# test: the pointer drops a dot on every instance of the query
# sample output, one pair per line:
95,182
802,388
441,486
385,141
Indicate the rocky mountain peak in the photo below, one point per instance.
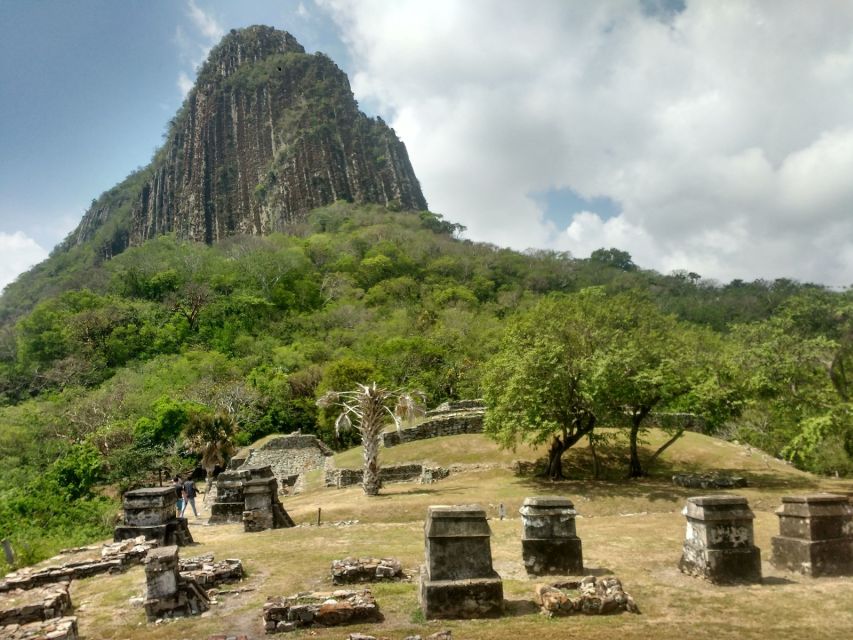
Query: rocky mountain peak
268,133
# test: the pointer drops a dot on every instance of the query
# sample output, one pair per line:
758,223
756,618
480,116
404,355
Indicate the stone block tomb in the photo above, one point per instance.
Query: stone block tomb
263,509
302,610
719,541
150,512
457,580
815,535
549,541
168,593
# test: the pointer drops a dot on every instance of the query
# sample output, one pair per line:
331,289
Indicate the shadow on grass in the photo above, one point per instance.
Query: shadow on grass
514,608
776,580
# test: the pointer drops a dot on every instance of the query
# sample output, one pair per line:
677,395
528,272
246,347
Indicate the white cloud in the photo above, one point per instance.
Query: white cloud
193,47
723,131
302,11
18,252
205,23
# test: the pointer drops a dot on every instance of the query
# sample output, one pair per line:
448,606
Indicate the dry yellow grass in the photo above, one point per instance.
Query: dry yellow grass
633,529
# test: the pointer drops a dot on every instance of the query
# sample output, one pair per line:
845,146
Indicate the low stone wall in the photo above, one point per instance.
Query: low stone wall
449,424
588,596
54,629
353,570
288,456
323,609
455,406
209,573
115,558
21,607
708,481
341,478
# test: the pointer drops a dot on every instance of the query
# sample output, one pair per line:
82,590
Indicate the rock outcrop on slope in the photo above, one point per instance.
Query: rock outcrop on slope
268,133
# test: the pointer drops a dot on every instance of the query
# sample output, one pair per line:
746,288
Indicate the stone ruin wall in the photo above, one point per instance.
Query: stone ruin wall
341,478
289,456
440,422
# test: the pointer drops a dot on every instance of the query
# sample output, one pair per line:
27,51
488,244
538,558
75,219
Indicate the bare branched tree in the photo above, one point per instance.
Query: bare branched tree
365,409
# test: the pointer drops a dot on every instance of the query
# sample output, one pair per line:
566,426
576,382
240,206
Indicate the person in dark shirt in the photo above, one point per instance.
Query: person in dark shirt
189,497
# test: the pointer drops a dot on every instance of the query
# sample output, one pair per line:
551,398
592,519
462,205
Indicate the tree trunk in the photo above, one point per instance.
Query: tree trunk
666,445
371,430
636,469
595,467
555,459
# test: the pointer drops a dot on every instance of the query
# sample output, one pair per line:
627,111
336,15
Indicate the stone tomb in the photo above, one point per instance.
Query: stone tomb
168,593
230,501
263,509
719,542
549,542
150,512
458,580
815,535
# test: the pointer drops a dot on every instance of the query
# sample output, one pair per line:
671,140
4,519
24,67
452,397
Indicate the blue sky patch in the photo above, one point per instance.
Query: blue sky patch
561,205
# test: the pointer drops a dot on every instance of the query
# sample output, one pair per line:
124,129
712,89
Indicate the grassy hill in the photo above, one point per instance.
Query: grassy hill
631,529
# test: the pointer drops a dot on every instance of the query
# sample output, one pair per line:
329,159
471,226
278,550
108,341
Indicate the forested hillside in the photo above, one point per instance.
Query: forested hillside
104,385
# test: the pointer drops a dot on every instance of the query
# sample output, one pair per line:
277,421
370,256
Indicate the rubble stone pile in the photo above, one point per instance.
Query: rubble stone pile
708,481
210,573
302,610
588,596
351,570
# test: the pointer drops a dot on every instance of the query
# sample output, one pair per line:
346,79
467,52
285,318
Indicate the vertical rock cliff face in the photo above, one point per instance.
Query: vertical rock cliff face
267,134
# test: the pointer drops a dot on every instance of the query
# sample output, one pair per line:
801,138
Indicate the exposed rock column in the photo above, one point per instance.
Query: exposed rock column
458,580
549,541
719,542
815,535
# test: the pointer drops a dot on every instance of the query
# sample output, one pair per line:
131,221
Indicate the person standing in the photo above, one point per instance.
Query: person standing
179,494
189,497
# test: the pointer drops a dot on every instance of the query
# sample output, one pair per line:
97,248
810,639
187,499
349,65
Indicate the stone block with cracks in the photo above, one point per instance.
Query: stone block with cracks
168,593
815,535
150,512
457,580
549,541
719,541
263,509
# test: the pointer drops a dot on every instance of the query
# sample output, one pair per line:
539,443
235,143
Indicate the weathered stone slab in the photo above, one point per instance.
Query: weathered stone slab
150,512
302,610
458,580
815,535
263,509
719,542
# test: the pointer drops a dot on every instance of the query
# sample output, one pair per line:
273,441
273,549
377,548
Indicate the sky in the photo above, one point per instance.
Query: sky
713,136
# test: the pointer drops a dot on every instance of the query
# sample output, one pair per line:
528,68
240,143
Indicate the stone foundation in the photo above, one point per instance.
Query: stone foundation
209,573
588,596
150,512
20,607
549,542
815,535
54,629
168,593
321,609
457,580
115,558
352,570
719,542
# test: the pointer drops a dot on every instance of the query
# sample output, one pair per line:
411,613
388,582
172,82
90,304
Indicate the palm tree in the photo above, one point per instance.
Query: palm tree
364,409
